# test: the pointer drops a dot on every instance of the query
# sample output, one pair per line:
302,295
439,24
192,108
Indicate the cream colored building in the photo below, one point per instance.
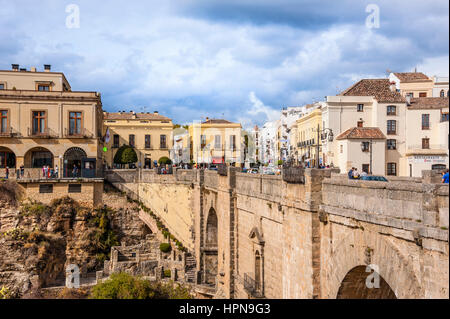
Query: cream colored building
427,135
180,152
413,84
368,103
216,141
359,147
150,134
44,122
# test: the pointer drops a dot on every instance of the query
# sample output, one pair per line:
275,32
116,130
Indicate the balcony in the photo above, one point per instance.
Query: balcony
252,287
148,147
81,133
9,132
163,147
45,133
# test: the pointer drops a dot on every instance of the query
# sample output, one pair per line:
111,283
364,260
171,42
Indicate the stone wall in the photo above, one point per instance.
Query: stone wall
90,194
313,240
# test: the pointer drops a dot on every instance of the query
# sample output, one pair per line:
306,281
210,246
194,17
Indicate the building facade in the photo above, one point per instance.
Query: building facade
180,152
306,136
216,141
150,135
45,123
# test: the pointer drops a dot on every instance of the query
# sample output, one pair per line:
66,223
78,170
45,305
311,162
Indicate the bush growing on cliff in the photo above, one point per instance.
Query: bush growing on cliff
105,237
125,286
165,247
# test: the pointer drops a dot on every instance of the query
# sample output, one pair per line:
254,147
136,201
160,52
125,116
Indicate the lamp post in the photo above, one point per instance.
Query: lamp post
330,138
363,148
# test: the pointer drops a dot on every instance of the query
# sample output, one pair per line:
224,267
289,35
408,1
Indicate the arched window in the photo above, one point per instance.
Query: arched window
442,94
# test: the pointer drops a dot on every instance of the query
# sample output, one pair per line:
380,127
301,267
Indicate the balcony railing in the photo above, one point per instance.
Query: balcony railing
9,132
45,133
252,287
80,133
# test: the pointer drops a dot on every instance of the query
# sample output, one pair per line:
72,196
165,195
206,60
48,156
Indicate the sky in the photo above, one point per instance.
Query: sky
235,59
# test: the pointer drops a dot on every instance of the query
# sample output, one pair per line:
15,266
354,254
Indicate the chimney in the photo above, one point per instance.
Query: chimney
207,119
33,69
156,112
23,69
47,67
15,67
408,100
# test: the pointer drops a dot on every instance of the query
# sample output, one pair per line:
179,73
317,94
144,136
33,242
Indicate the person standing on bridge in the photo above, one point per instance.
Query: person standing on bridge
445,177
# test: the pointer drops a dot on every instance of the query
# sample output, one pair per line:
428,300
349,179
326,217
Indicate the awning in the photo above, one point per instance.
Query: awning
217,160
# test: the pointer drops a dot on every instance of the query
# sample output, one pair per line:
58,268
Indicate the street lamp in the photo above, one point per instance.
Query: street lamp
330,139
363,148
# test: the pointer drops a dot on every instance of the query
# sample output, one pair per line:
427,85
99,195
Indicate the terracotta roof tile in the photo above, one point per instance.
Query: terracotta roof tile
139,116
362,133
420,103
217,121
379,88
412,76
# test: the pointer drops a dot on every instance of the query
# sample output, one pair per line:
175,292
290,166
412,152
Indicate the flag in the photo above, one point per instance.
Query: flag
107,135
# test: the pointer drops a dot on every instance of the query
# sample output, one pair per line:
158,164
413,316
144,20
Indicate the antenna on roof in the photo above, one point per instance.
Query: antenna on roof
415,69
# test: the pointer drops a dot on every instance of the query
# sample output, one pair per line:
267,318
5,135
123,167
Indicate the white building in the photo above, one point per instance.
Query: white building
267,147
440,86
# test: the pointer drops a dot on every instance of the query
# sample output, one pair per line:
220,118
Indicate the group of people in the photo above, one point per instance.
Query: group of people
48,172
445,177
354,174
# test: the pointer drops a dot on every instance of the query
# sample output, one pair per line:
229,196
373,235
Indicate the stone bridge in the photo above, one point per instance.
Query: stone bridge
256,236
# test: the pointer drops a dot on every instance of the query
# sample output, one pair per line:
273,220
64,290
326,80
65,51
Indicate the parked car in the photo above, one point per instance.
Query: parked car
374,178
212,167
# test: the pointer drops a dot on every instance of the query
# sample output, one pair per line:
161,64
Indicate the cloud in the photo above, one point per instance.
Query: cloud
192,59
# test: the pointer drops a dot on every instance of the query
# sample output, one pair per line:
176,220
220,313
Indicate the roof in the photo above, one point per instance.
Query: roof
379,88
424,103
412,77
130,116
362,133
217,121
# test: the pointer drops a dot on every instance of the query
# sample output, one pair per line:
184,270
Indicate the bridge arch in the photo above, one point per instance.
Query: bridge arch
345,266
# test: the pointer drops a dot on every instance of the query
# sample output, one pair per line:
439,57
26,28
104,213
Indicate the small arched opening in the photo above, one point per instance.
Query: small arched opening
73,158
38,157
7,158
211,249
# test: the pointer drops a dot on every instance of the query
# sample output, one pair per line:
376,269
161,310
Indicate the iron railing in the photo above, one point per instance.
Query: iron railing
45,133
252,286
77,133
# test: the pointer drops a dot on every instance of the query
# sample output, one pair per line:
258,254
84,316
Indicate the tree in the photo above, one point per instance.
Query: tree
125,155
164,160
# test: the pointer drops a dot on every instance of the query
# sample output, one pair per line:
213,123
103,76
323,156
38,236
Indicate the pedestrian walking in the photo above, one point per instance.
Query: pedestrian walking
75,170
45,171
56,172
22,171
6,172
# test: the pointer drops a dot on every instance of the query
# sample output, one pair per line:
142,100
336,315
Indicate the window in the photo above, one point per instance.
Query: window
423,94
410,94
392,169
217,142
342,149
391,110
365,168
44,87
360,108
203,141
391,127
425,121
131,140
3,121
444,117
162,141
45,188
233,142
391,144
147,141
441,94
360,123
39,122
2,86
365,146
74,188
115,140
75,122
425,143
438,167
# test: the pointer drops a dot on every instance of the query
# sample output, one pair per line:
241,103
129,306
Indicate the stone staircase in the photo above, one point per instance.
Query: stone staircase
190,269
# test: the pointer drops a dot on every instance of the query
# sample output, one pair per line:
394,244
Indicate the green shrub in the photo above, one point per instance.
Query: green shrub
167,273
125,155
125,286
164,160
165,247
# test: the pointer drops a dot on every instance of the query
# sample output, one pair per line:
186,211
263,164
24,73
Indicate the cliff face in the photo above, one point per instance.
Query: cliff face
38,242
